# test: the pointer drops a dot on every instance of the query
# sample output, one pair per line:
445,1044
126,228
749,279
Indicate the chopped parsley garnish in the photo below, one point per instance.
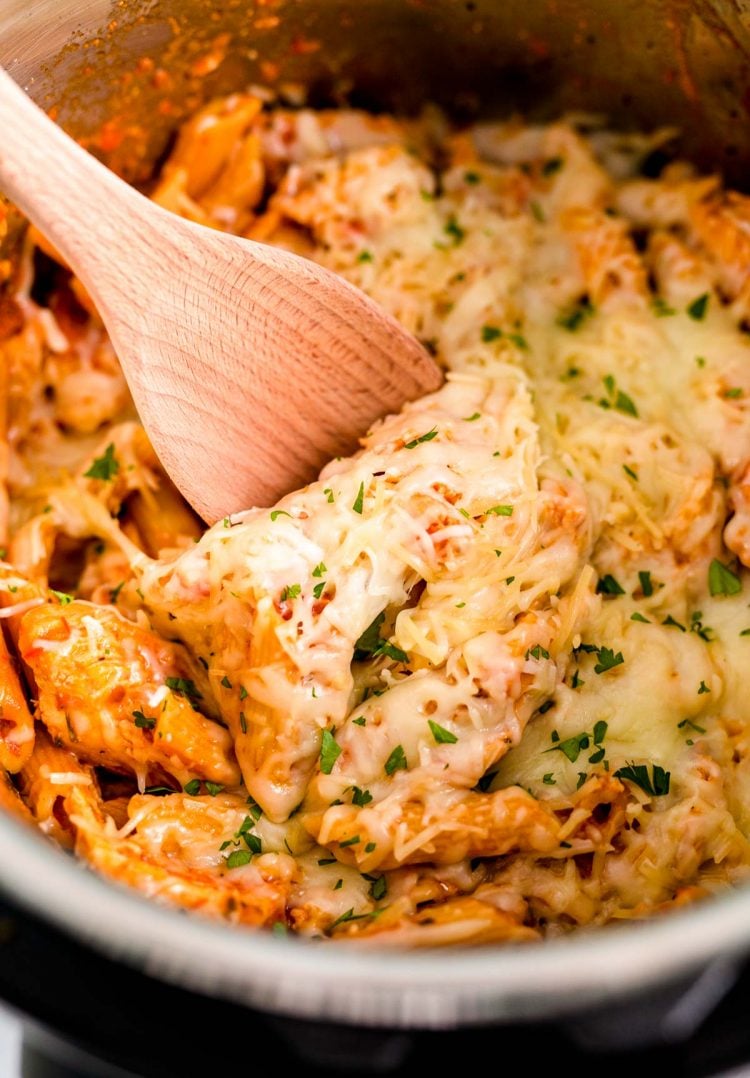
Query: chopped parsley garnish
291,591
572,746
546,706
252,842
105,467
371,644
422,438
551,166
359,501
575,681
327,861
361,721
453,229
697,309
639,617
697,626
254,808
62,597
238,858
396,761
330,750
616,398
319,589
472,177
733,394
661,308
549,779
370,847
703,688
491,333
279,929
609,586
360,798
537,652
183,687
379,888
721,579
329,495
499,511
114,592
226,682
350,915
630,472
243,693
364,256
143,722
692,725
338,885
576,315
537,212
656,784
745,632
214,788
193,788
646,586
608,660
600,731
472,418
669,620
279,513
350,841
700,361
581,779
158,791
441,735
319,570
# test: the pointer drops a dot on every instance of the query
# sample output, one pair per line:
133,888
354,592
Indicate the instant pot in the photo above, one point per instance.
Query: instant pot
160,993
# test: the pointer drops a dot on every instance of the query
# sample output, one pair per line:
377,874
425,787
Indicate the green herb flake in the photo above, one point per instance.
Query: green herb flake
319,589
721,579
329,495
62,597
143,722
379,888
629,471
491,333
350,915
364,256
607,585
656,785
359,501
327,861
105,467
353,841
639,617
279,929
319,570
440,734
574,318
183,687
537,652
733,394
238,858
581,779
453,229
243,722
361,721
422,438
572,746
499,511
661,308
472,418
360,798
697,309
608,660
291,591
158,791
330,750
370,847
669,620
624,403
700,361
703,688
396,761
600,731
472,177
646,585
279,513
226,682
214,788
688,723
549,779
193,788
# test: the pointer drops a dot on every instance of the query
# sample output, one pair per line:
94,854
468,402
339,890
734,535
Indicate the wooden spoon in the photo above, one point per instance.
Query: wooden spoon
250,367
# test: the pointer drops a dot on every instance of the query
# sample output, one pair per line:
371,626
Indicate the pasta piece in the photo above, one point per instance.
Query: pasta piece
120,697
16,723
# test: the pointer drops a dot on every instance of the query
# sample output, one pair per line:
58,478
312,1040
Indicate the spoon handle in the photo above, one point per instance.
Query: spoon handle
65,191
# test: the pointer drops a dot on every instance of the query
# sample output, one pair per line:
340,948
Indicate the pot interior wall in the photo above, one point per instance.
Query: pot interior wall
121,75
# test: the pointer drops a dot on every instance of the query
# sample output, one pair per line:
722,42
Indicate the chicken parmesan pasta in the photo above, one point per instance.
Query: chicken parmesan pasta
483,680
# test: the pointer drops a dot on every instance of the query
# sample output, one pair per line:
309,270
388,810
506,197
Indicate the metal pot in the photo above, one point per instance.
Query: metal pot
643,64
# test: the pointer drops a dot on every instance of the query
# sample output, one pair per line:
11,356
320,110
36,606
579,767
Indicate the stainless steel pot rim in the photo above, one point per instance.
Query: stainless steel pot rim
370,986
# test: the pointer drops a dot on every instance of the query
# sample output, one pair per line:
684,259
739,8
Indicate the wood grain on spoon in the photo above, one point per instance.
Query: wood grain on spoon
250,366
